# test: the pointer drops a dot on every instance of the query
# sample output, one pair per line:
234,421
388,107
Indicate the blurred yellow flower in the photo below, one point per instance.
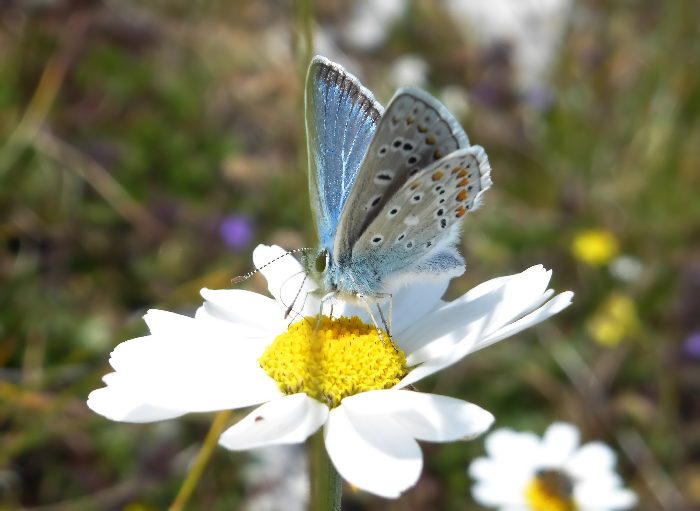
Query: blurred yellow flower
595,247
615,320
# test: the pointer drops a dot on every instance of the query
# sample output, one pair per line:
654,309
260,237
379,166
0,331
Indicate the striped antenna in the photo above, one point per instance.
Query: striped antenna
242,278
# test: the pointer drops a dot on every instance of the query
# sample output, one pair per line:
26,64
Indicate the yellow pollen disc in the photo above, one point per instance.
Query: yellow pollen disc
330,359
550,491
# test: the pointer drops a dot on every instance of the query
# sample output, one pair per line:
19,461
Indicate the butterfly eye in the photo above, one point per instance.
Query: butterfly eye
322,261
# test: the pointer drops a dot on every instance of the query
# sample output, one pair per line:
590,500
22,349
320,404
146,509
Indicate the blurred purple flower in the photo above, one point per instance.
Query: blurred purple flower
540,98
691,345
236,231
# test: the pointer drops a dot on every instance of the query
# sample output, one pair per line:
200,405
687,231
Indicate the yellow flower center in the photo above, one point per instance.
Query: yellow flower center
333,358
551,490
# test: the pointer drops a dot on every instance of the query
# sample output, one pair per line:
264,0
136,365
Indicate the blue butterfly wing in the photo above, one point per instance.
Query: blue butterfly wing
341,118
415,131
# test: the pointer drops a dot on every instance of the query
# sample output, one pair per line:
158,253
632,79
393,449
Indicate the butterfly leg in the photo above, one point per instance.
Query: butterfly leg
297,314
389,297
387,326
364,300
391,310
368,307
322,302
384,323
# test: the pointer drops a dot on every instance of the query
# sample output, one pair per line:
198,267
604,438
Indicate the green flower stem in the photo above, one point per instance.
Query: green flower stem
326,485
200,462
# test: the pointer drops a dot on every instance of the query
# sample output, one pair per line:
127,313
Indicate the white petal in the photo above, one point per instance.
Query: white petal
425,416
286,280
593,498
258,314
476,315
552,307
592,459
160,321
510,447
286,420
504,475
119,403
468,308
348,309
502,472
183,329
426,369
446,351
505,496
485,470
412,303
521,295
558,444
515,473
157,353
543,299
604,480
193,369
372,452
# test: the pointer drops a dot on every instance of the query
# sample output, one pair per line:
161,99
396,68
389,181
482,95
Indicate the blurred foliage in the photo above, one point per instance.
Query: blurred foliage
128,133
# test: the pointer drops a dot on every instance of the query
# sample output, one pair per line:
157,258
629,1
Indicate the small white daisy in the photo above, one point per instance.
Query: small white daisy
534,28
524,472
240,350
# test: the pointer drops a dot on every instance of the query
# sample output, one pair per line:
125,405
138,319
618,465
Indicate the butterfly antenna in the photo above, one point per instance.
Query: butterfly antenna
246,276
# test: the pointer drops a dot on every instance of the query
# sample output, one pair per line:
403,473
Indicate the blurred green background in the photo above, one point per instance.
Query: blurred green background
145,148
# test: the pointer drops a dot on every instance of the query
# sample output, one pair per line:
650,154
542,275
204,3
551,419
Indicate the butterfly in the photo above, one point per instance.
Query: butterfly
388,188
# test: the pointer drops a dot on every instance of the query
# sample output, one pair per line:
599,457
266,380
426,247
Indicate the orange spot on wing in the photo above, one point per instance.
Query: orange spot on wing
464,182
459,212
430,140
462,172
437,175
422,128
462,196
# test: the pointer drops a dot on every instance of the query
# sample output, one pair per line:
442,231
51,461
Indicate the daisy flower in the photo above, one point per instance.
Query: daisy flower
302,372
524,472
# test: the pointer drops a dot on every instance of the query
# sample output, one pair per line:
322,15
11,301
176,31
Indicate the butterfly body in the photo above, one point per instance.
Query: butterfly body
388,188
346,278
